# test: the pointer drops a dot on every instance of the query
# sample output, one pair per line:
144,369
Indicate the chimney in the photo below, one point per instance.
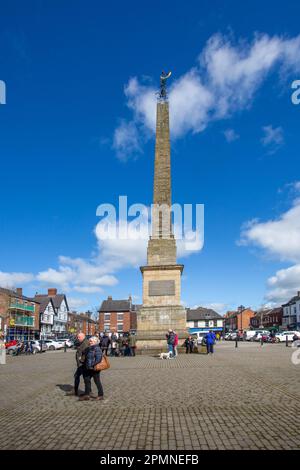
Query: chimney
109,297
52,292
19,291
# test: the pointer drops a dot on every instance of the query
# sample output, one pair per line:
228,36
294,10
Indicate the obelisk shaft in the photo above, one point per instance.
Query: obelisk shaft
162,173
162,245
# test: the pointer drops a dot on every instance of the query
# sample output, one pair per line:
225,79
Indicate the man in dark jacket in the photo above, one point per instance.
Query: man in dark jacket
93,356
81,346
104,343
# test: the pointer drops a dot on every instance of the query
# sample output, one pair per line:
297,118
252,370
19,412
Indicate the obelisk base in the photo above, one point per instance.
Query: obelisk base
154,323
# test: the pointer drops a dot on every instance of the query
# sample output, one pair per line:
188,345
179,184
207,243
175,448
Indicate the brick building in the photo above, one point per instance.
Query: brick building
118,315
269,319
238,319
19,315
82,322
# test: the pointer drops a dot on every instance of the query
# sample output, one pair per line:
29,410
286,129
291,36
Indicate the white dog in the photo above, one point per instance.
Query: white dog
167,355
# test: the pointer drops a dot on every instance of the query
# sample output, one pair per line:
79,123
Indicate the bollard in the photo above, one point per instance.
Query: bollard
261,341
286,341
2,353
65,347
236,342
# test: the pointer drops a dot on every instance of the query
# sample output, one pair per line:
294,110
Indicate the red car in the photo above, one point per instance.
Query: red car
13,342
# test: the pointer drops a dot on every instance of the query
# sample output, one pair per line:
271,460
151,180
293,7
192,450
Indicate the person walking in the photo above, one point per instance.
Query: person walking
189,345
113,343
132,344
93,356
104,343
81,345
170,337
210,341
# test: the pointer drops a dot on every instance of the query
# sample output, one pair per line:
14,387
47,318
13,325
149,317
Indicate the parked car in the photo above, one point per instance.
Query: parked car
260,334
36,346
11,350
200,336
227,337
53,345
248,334
10,343
281,337
68,341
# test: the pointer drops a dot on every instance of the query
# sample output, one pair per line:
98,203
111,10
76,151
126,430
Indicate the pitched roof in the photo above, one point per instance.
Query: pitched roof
43,301
292,301
56,299
123,305
13,293
201,313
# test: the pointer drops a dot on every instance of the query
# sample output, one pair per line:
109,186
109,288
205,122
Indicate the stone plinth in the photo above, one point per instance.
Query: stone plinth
153,325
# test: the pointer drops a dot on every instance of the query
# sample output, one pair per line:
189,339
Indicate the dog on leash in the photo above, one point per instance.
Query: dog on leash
167,355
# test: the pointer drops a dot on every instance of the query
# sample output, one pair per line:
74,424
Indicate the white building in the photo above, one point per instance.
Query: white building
53,313
204,319
291,313
46,316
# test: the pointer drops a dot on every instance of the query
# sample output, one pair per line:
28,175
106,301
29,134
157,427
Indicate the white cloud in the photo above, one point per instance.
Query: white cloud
272,138
281,239
230,135
10,280
126,140
223,81
284,284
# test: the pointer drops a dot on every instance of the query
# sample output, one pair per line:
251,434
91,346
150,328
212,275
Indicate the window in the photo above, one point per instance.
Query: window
120,327
106,326
120,317
107,317
195,324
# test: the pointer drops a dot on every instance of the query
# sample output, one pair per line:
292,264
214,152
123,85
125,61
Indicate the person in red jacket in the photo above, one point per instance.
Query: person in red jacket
175,352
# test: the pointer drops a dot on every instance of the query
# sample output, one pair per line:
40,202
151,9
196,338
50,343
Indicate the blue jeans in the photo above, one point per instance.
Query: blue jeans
171,349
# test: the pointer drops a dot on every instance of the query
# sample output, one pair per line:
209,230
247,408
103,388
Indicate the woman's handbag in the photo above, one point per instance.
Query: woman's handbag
102,365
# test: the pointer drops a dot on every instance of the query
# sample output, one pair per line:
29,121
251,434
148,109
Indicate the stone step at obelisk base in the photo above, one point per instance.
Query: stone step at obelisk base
162,309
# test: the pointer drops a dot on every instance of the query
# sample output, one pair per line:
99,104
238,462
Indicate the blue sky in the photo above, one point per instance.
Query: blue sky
77,72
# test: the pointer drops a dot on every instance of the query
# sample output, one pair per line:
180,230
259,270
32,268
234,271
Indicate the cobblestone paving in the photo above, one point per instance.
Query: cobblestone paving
247,398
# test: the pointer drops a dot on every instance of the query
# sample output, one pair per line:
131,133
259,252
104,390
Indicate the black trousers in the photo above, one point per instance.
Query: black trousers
189,349
210,348
77,375
88,374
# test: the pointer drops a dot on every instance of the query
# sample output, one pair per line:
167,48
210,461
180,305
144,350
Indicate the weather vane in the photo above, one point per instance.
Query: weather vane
162,94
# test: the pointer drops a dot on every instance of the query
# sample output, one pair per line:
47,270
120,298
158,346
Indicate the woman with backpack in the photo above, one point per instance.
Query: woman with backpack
93,355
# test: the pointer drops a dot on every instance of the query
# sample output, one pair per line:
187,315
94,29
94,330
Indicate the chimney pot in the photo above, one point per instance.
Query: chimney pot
109,297
19,290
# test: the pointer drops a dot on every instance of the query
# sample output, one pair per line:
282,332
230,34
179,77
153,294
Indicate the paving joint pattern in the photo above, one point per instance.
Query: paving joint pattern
237,399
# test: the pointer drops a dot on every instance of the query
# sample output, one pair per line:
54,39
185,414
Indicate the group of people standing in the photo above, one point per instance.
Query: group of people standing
172,341
118,345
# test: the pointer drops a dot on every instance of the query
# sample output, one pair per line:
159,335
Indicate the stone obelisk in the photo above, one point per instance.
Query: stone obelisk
162,309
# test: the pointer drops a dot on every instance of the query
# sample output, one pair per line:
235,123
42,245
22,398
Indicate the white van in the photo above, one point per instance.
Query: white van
201,335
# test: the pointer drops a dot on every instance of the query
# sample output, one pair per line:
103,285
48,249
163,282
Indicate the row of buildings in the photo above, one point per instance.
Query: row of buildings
41,316
48,315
